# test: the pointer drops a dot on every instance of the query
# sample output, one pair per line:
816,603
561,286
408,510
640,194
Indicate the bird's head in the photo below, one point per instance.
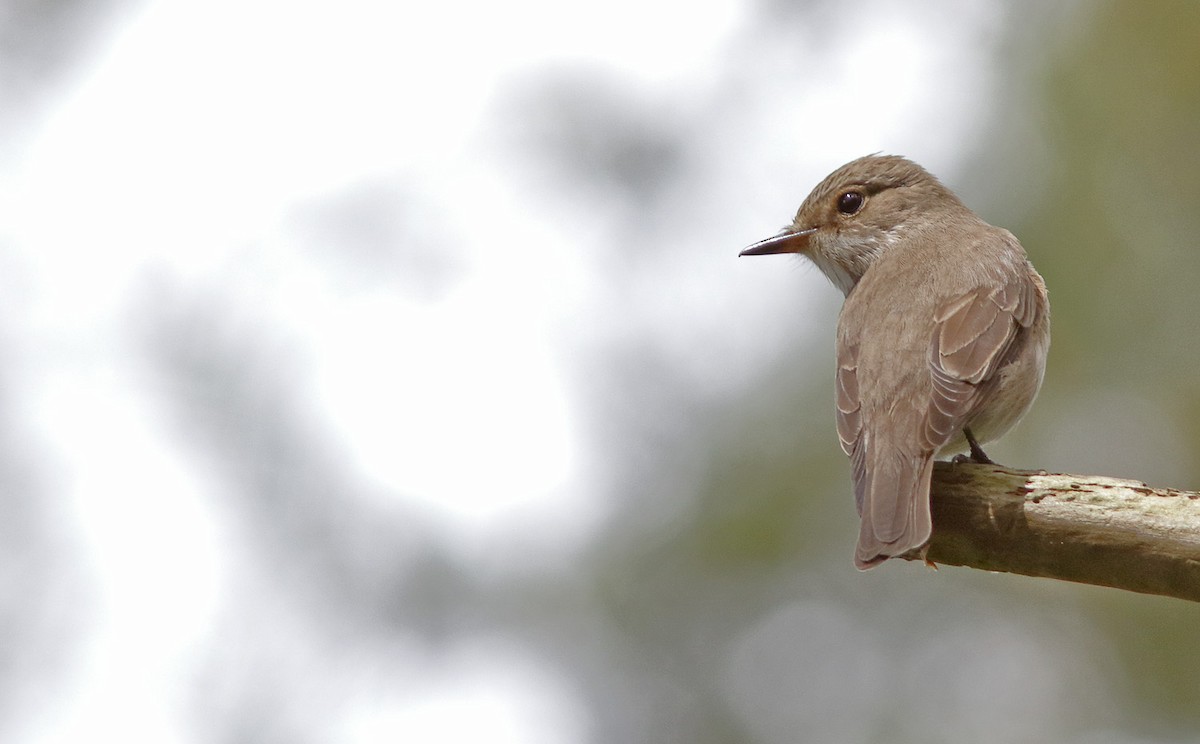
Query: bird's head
859,211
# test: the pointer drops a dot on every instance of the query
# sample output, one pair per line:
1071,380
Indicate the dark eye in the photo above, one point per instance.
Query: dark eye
850,202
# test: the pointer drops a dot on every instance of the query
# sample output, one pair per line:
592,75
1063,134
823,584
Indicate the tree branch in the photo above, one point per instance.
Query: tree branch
1090,529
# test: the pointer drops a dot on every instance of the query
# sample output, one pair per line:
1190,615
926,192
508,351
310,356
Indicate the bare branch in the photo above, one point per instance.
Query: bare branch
1090,529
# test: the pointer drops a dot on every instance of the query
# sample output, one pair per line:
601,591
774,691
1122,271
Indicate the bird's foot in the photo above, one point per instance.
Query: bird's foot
925,557
977,453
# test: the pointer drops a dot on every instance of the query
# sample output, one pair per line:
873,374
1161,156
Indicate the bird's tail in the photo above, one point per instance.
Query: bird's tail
892,493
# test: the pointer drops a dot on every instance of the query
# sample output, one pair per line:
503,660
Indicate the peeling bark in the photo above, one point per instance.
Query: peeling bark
1089,529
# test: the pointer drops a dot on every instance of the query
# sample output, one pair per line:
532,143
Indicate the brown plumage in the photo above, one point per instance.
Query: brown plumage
943,334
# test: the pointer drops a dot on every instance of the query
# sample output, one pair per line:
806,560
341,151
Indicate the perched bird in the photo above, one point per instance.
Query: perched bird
941,341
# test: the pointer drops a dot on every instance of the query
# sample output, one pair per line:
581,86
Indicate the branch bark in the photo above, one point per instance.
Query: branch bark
1089,529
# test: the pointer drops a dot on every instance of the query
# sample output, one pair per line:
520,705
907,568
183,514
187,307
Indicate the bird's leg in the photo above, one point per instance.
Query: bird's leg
977,453
925,557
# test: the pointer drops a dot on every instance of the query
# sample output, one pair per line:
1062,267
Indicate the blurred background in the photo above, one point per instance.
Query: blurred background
381,372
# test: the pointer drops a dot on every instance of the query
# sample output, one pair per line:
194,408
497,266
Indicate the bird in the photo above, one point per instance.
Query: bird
941,340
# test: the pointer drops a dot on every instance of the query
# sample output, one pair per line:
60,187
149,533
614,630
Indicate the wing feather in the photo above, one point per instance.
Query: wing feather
849,406
971,341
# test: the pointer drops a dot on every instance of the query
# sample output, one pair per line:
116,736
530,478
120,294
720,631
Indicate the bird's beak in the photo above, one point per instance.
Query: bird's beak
788,241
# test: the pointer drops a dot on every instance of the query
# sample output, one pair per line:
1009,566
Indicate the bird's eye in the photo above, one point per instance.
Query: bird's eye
850,202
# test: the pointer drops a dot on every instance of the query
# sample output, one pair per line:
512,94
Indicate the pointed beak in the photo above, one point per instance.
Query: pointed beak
788,241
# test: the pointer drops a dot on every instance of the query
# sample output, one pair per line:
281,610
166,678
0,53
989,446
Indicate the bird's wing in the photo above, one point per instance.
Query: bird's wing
849,410
972,338
973,335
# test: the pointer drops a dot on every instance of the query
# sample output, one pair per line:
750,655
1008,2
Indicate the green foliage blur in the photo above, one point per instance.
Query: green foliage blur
717,603
1094,162
1115,229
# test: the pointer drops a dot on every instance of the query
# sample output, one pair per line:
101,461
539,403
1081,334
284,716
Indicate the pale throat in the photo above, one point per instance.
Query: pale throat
844,259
